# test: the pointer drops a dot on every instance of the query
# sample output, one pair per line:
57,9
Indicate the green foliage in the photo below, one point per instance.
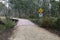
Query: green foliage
48,22
55,8
7,24
23,7
20,4
1,5
2,27
56,24
33,16
36,21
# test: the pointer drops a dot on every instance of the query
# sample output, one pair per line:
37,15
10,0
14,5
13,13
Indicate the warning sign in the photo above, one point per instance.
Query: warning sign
40,10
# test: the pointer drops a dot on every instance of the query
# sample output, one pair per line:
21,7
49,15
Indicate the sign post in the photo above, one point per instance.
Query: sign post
40,11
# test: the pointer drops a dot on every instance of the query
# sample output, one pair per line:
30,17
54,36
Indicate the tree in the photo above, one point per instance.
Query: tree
59,6
55,8
23,7
1,6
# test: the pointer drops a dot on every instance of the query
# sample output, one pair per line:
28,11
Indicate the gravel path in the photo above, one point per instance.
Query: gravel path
26,30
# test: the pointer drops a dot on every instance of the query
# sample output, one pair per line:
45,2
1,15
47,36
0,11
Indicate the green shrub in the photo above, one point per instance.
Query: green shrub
7,24
36,21
2,27
46,22
33,16
50,22
56,24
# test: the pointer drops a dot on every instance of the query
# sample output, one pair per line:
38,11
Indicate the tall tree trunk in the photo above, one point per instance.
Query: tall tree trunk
59,6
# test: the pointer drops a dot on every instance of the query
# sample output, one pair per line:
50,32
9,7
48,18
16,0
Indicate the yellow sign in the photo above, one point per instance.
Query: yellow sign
40,10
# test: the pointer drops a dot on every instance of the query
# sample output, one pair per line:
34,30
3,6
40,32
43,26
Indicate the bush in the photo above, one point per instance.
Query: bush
33,16
50,22
46,22
56,24
7,24
2,27
36,21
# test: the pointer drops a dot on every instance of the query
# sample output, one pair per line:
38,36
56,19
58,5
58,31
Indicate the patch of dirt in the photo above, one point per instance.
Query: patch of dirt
6,34
53,31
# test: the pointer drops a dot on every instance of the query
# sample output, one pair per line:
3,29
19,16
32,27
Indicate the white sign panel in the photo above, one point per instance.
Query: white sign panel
40,15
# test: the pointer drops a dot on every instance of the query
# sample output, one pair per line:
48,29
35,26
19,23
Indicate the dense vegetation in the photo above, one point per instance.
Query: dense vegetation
48,23
6,24
28,9
24,8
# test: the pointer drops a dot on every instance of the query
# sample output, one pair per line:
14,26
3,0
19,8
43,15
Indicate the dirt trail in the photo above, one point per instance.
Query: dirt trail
26,30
